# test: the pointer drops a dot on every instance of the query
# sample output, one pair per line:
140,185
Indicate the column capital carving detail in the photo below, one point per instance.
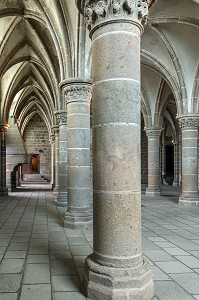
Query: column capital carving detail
52,138
61,116
96,11
3,127
153,132
76,90
55,129
188,122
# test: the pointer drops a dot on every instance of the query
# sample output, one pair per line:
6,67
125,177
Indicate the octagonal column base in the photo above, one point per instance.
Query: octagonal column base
153,192
189,200
108,283
62,199
80,221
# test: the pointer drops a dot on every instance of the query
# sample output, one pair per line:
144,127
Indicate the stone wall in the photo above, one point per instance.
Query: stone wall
36,140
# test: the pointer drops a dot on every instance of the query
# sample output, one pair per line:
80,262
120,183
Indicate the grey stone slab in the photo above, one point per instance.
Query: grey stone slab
39,236
35,292
191,262
173,267
8,296
10,282
79,260
38,250
189,281
20,239
158,255
176,251
158,274
18,246
170,290
79,241
4,242
65,283
63,267
196,297
2,250
81,250
165,244
68,296
73,233
11,265
15,254
157,239
39,242
59,246
37,273
61,255
31,259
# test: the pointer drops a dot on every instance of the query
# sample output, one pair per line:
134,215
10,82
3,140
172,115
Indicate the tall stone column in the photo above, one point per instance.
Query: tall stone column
78,97
176,165
62,121
153,135
163,159
52,143
56,132
189,129
116,269
3,188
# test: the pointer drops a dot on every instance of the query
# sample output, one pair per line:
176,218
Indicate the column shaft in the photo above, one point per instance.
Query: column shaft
78,96
62,195
52,142
56,132
189,129
3,188
176,165
153,136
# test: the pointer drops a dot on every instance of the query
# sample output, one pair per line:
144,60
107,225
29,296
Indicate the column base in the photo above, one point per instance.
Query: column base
3,191
175,184
80,221
153,192
192,200
56,191
108,283
62,199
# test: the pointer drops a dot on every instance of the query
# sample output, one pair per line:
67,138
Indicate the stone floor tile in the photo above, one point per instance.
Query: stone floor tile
156,239
10,266
68,296
63,267
35,292
10,282
38,250
79,260
39,236
73,233
173,267
8,296
79,241
176,251
2,250
20,239
81,250
18,246
170,290
165,244
4,242
61,255
38,259
36,274
158,255
196,297
158,274
15,254
191,262
39,242
189,281
65,283
59,246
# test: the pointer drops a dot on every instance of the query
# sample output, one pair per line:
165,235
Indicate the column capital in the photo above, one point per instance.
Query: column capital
97,12
55,129
61,116
52,139
76,90
188,121
153,132
3,127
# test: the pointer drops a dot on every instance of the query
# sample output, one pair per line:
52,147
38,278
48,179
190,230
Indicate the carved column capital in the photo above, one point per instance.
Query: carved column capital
188,121
153,132
55,130
61,116
76,90
97,11
52,139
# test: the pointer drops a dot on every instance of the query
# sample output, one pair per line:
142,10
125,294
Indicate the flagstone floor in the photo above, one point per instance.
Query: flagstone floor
42,260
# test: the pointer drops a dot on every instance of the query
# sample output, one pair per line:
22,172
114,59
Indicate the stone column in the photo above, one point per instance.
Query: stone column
189,129
62,121
56,132
52,142
163,159
176,165
153,135
116,269
3,188
78,96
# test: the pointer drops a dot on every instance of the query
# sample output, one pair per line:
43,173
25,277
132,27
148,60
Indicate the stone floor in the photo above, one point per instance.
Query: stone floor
42,260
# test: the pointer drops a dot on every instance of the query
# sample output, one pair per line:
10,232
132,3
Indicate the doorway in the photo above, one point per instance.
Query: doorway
35,163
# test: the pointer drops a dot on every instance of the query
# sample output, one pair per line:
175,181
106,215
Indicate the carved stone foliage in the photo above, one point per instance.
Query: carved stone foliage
3,128
98,10
151,133
77,92
188,122
61,117
52,138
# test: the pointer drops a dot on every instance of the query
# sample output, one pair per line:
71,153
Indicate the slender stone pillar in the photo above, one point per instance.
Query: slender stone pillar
52,142
3,188
56,132
163,159
153,135
189,129
62,121
176,165
116,269
78,96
